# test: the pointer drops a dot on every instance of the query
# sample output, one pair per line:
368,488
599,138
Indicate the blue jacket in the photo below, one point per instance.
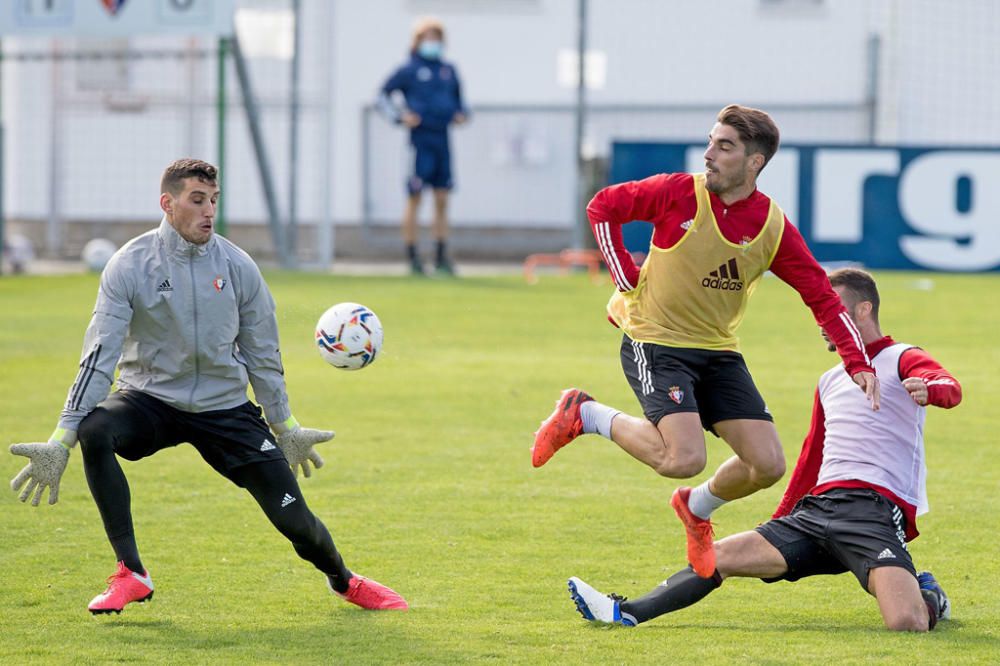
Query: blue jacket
432,91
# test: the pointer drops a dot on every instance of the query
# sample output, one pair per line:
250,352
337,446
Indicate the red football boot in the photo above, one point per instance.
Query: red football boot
124,587
561,428
700,551
371,595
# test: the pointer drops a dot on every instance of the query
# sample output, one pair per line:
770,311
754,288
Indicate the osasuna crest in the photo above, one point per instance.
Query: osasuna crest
219,283
113,6
676,394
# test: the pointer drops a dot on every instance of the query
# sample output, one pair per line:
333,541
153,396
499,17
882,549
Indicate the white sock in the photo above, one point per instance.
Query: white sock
702,502
597,418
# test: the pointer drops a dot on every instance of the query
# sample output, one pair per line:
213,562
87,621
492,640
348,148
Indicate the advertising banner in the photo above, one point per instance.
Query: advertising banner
909,207
115,18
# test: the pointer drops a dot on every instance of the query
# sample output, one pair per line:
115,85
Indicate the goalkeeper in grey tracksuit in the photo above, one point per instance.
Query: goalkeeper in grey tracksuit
189,321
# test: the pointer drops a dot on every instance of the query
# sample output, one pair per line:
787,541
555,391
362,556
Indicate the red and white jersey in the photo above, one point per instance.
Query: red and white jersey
883,448
851,446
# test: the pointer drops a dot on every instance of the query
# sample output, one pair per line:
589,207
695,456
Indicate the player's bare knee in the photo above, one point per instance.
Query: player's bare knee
916,620
724,555
681,465
769,473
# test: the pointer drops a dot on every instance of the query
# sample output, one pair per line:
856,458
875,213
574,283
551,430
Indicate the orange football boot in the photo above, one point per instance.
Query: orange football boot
700,551
561,428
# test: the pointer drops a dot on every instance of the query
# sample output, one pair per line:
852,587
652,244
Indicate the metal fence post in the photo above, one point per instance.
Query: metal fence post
581,105
366,186
291,243
263,163
220,211
871,96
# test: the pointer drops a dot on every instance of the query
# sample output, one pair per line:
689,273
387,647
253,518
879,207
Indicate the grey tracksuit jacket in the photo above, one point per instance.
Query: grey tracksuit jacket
188,324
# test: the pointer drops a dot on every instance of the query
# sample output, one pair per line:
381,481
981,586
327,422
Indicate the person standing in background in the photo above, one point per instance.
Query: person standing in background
432,100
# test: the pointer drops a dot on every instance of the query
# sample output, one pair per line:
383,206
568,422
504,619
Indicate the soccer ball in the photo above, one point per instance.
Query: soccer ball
97,253
349,336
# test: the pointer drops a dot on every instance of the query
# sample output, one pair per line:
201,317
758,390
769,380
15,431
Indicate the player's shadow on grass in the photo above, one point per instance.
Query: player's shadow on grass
108,622
805,626
344,631
478,283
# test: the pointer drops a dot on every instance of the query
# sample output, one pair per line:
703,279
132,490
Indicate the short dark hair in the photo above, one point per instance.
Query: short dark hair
859,284
174,175
756,129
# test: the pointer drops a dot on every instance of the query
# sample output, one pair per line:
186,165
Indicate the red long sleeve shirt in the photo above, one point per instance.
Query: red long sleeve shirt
943,390
668,201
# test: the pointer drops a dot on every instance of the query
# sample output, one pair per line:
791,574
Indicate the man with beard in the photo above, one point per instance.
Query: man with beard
714,236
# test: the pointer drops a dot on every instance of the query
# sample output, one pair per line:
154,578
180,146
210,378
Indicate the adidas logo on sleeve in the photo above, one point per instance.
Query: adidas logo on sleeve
267,446
286,500
726,277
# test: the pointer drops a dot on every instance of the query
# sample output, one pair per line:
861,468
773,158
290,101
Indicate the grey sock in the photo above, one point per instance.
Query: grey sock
597,418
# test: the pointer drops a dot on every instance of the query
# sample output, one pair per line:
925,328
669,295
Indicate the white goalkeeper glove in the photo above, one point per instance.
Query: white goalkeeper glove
47,464
297,444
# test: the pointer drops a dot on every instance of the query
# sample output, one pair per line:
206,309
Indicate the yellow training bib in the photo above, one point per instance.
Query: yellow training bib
694,294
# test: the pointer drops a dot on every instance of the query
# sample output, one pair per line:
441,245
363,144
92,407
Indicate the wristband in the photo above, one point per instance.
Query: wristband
58,435
285,426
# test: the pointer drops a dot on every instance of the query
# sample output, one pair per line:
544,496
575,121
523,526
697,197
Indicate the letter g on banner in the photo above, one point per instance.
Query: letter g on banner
953,239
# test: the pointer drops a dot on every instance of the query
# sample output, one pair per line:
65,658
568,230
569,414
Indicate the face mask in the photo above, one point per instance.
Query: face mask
430,49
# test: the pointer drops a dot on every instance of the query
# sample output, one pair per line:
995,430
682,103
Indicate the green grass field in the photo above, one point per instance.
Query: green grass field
429,488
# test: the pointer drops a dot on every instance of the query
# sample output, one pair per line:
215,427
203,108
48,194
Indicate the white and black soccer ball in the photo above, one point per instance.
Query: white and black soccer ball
97,253
349,336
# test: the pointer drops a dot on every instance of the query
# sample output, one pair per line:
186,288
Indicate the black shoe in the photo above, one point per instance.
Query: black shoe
930,586
445,268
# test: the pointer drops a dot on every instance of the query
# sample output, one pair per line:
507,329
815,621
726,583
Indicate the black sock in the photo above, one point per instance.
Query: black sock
339,583
411,251
100,433
679,591
442,251
127,552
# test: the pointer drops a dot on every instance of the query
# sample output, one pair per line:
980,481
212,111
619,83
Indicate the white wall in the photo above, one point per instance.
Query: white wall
720,51
937,74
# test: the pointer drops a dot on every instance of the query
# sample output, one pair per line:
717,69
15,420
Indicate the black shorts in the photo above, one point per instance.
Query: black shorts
226,438
854,530
669,380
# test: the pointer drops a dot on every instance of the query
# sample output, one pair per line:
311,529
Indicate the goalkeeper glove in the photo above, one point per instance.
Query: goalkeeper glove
47,464
297,443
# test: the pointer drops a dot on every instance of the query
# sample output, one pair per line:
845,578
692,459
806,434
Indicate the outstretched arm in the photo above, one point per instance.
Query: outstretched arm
258,344
102,345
